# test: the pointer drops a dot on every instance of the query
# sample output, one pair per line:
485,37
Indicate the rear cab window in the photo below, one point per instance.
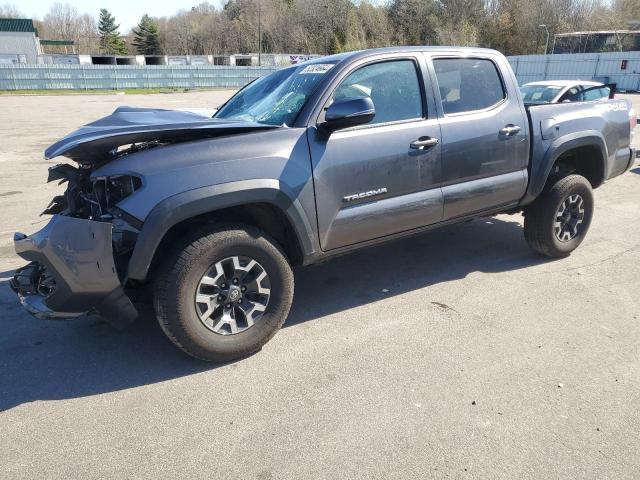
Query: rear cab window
468,84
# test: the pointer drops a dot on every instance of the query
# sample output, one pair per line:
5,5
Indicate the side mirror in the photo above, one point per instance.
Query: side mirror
348,112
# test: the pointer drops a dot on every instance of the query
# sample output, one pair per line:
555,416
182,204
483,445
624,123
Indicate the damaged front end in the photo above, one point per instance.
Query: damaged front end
78,260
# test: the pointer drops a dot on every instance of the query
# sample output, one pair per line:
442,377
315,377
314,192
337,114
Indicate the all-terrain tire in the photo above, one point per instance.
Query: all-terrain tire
177,282
541,216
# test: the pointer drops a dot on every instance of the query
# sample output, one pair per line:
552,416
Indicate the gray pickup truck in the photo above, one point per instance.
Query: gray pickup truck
307,163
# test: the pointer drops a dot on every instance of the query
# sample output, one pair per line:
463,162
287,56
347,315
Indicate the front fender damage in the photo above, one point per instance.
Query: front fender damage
72,271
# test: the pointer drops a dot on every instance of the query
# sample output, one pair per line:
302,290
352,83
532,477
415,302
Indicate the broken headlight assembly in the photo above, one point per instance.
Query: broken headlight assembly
107,192
96,198
86,197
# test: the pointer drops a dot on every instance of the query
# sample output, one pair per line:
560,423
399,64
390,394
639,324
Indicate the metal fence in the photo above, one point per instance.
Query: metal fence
621,68
118,77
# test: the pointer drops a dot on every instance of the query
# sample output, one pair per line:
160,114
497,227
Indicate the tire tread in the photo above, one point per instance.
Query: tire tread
536,231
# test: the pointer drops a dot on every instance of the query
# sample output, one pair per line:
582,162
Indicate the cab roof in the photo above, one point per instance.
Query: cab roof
339,57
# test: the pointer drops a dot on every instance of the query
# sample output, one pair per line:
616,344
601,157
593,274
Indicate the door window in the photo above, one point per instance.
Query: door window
597,93
571,95
393,86
590,94
468,84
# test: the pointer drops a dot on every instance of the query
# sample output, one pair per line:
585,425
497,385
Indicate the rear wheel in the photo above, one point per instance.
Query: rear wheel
224,294
558,221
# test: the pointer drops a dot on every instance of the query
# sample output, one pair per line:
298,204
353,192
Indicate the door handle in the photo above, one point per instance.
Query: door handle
424,142
509,130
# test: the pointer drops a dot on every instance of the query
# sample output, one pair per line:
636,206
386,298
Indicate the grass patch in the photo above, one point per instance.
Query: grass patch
126,91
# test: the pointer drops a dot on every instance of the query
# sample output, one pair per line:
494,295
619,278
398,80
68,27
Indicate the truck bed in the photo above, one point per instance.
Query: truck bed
558,128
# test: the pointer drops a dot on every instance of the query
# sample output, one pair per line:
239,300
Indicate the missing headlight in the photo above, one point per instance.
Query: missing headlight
109,191
92,198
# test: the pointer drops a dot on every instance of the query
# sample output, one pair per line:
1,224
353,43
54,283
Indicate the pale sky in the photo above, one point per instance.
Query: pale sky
127,12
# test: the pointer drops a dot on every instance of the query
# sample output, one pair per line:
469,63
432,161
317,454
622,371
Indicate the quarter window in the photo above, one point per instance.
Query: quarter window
393,87
468,84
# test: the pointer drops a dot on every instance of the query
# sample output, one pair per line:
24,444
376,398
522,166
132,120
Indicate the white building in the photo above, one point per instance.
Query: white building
18,41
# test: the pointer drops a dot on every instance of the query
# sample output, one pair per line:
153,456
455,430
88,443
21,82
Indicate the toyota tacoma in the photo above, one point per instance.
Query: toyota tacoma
301,165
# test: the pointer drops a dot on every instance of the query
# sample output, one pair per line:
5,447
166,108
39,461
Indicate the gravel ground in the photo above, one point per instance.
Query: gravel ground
455,354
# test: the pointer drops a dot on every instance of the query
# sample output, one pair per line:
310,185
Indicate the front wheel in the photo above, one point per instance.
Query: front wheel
224,294
558,221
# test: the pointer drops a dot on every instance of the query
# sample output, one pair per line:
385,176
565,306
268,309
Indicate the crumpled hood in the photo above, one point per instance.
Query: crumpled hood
97,141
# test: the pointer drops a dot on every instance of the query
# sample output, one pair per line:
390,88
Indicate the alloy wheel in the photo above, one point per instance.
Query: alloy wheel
232,295
569,218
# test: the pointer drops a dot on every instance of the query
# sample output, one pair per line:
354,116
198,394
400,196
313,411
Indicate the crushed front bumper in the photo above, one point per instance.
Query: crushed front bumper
72,271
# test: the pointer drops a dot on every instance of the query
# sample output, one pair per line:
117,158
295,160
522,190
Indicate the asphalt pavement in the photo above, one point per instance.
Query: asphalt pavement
454,354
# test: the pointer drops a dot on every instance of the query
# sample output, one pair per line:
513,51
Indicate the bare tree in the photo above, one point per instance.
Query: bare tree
63,22
329,26
9,10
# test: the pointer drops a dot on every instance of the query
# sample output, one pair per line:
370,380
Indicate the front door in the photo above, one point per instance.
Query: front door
383,177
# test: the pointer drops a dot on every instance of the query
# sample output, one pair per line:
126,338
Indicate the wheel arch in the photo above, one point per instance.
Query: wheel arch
592,165
585,154
262,203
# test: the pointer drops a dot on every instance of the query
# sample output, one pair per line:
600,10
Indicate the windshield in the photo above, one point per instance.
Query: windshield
275,99
539,93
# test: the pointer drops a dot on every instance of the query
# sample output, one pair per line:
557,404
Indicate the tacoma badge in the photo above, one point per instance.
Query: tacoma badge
370,193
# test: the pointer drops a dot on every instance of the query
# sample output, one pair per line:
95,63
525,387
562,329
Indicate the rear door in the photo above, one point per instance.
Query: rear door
484,140
383,177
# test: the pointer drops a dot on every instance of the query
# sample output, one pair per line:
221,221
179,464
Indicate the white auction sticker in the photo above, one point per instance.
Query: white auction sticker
317,68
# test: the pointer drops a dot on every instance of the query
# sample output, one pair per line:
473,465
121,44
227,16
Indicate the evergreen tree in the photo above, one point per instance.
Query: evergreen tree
146,41
110,41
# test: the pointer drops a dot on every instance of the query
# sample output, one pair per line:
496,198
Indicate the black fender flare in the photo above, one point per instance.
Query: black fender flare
185,205
562,145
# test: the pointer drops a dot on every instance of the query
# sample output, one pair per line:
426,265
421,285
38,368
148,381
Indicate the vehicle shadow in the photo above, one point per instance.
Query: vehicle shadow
395,268
636,170
49,360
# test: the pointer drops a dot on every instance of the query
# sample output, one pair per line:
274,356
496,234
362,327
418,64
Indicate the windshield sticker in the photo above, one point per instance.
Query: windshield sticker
317,68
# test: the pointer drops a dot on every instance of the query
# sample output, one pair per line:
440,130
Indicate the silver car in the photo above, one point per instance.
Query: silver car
564,91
